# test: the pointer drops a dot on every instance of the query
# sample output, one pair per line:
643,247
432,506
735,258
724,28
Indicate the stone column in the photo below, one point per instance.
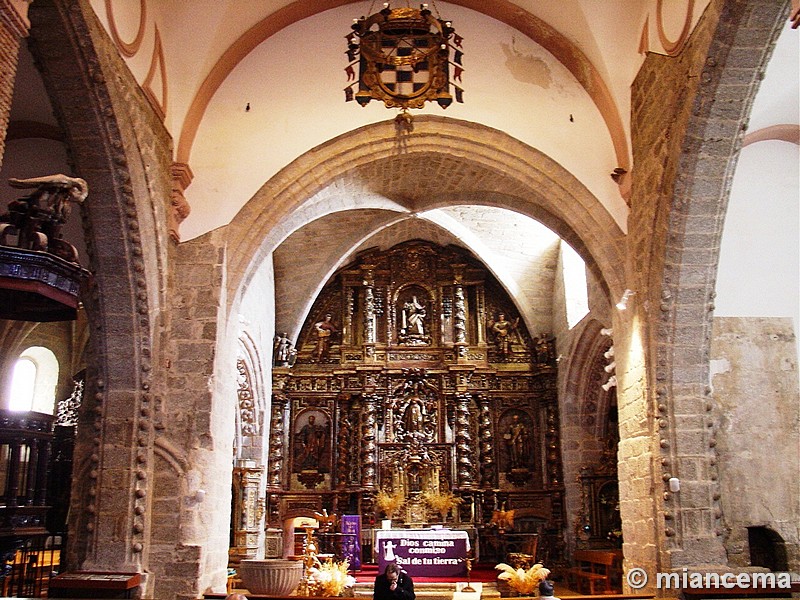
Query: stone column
369,311
276,440
247,510
14,26
465,470
368,447
488,472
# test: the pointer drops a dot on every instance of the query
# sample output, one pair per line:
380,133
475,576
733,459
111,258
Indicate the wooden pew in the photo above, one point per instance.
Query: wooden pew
595,571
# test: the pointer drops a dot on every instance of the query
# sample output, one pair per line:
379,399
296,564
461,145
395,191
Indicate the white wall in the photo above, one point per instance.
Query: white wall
759,267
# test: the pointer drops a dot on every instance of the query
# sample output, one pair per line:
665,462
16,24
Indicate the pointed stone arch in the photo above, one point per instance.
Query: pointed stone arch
98,109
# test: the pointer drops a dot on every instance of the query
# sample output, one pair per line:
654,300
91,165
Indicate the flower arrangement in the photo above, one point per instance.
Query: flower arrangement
329,578
389,503
523,581
441,502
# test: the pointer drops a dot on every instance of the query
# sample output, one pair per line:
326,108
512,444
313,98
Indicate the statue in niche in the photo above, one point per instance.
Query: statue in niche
414,416
517,438
413,318
413,407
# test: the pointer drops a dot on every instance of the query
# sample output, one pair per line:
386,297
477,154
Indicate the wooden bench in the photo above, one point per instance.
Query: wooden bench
595,571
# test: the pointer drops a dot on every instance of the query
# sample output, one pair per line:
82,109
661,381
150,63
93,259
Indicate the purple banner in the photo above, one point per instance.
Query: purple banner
351,544
423,552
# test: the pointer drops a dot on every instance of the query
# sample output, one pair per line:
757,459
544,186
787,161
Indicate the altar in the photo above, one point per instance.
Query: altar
423,552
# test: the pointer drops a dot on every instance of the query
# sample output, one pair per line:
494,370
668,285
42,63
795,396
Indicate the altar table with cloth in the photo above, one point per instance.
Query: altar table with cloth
423,552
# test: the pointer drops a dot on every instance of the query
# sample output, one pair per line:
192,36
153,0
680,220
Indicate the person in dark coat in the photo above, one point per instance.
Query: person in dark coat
393,584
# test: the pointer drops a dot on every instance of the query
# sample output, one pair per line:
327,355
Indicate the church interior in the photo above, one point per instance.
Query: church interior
447,285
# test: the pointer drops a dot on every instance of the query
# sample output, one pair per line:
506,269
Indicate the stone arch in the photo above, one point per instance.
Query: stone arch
686,169
699,203
583,407
85,79
513,175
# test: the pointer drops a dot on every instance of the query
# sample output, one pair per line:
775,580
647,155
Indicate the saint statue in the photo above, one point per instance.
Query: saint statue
324,329
518,442
413,318
414,415
504,331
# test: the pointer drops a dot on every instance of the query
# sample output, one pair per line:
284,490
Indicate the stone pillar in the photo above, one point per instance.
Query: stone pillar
276,437
368,447
465,470
460,312
14,26
488,479
247,510
369,311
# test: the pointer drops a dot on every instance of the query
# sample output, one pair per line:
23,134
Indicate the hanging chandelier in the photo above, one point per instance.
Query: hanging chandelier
405,56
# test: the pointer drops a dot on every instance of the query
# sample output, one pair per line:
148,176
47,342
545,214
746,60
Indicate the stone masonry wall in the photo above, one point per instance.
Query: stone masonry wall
661,106
191,517
754,377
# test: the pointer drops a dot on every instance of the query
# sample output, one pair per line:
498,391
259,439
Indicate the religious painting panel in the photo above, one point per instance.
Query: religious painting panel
311,453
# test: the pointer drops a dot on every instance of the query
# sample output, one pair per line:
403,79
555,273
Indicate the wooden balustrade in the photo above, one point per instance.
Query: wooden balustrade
25,442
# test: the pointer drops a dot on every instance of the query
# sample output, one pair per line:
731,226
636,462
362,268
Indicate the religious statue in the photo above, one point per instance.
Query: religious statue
35,222
518,442
544,350
413,404
413,318
312,438
414,416
503,331
324,329
283,351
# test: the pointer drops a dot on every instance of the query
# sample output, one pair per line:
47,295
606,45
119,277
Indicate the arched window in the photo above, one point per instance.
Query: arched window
23,385
576,293
33,387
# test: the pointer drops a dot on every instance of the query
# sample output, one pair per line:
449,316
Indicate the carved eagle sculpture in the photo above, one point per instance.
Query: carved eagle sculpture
326,522
503,519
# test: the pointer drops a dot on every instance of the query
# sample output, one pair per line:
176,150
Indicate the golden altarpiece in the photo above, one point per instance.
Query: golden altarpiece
415,377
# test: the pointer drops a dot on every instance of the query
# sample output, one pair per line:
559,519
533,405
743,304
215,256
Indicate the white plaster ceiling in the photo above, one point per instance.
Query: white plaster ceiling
203,62
275,56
